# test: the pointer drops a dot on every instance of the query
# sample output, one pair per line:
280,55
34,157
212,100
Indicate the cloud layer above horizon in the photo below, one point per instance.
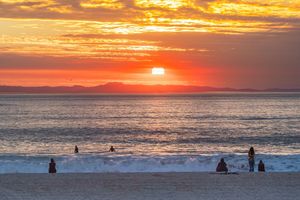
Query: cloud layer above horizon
199,42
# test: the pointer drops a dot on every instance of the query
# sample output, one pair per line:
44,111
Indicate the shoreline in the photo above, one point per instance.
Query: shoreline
162,185
118,162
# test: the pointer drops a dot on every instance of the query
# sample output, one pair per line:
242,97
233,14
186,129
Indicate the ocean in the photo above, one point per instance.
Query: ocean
151,133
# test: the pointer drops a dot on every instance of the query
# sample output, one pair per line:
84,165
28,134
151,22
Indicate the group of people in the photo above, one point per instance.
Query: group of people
111,149
222,166
52,164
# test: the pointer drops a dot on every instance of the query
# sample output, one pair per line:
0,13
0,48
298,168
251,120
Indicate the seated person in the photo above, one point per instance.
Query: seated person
261,166
222,166
112,149
52,167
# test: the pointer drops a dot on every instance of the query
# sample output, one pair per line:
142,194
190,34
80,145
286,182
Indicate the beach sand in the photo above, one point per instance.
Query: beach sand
131,186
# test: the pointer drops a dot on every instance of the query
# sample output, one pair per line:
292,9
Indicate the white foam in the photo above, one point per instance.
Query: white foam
138,163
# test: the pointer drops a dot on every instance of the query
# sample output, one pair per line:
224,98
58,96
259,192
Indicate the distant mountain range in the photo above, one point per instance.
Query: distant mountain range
116,87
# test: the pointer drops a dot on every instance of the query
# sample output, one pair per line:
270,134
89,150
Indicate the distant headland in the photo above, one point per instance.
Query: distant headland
121,88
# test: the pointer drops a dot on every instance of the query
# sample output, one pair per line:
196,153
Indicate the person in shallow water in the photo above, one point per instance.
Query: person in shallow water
222,166
261,166
76,150
112,149
251,159
52,166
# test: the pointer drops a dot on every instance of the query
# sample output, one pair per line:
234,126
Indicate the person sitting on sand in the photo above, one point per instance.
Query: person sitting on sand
112,149
222,166
76,150
251,159
52,166
261,166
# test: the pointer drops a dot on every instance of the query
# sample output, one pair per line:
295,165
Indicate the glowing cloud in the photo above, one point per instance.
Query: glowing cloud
168,4
110,4
211,42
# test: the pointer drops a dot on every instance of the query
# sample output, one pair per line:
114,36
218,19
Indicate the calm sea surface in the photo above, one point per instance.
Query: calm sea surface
150,133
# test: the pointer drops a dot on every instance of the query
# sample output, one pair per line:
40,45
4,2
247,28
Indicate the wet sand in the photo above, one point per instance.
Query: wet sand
144,186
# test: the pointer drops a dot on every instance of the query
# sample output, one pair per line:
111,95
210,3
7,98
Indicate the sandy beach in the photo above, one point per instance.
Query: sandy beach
150,186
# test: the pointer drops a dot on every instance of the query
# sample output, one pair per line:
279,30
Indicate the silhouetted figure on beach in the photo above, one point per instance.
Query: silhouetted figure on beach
112,149
52,166
261,166
76,150
222,166
251,159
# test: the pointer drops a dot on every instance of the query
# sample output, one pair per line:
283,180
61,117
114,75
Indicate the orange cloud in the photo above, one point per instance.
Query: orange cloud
92,41
109,4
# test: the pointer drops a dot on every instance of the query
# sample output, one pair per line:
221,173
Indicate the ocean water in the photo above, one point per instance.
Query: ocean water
151,133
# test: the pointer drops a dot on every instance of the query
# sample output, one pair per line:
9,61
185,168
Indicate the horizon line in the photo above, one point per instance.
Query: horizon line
124,88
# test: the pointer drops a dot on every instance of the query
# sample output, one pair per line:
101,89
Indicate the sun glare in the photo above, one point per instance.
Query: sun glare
158,71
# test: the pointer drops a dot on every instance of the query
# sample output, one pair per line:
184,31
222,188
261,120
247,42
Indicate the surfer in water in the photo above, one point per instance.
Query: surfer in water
112,149
76,150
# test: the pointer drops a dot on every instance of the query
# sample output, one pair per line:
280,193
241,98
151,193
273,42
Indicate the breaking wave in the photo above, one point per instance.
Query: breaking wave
86,163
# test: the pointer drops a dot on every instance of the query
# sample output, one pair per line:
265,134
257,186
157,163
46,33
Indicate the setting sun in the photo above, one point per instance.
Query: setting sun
158,91
158,71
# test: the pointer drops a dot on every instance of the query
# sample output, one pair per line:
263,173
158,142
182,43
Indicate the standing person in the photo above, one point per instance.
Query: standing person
251,159
52,166
76,150
261,166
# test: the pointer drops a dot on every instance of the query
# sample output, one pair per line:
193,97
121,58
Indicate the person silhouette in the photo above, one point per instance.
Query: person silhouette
52,166
261,166
112,149
76,150
251,159
222,166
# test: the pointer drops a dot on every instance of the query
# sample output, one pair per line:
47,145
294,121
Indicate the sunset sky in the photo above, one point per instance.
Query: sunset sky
238,43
